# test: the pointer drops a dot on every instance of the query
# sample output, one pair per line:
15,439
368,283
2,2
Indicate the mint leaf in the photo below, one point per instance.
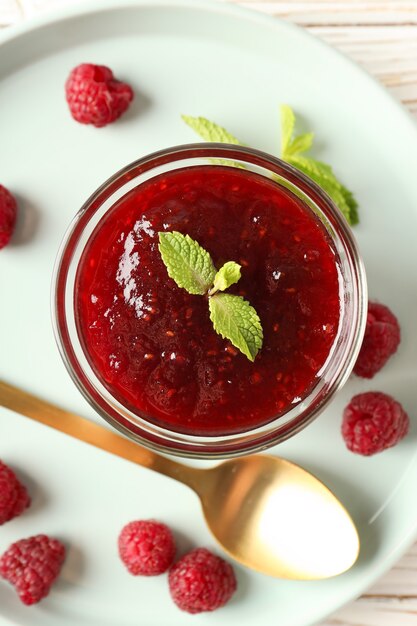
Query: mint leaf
301,143
323,175
287,127
292,149
352,205
188,264
212,132
209,131
226,276
236,320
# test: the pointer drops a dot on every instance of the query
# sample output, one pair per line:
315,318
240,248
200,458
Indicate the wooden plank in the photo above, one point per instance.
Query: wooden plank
340,13
387,52
9,12
34,7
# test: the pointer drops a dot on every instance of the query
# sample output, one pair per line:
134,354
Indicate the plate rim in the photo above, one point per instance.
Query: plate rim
87,7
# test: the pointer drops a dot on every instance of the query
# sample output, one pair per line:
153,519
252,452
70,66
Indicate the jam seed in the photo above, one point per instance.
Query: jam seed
262,232
255,378
148,356
276,328
212,352
188,313
170,333
291,290
244,262
297,238
279,376
311,255
231,350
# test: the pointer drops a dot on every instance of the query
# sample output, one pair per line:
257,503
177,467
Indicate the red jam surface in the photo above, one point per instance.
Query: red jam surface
153,345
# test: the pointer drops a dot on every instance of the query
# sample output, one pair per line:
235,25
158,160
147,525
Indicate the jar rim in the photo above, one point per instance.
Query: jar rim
163,439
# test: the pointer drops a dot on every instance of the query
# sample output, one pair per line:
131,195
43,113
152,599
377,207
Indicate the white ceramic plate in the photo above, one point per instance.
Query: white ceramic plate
234,67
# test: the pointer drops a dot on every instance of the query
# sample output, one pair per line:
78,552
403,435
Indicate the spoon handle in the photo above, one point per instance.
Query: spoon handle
80,428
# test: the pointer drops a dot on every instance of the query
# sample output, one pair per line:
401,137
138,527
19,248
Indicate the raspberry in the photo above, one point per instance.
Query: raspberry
201,581
94,96
14,498
32,565
8,211
382,336
146,547
373,422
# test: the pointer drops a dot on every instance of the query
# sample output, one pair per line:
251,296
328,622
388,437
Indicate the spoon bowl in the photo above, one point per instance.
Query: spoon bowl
275,517
267,513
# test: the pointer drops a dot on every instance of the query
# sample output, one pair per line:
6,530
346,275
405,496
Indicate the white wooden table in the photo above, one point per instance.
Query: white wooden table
381,35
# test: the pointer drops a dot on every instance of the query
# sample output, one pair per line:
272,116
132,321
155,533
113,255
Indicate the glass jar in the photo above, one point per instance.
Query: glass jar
342,356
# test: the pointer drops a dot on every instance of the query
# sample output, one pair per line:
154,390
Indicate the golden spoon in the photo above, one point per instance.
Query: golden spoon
265,512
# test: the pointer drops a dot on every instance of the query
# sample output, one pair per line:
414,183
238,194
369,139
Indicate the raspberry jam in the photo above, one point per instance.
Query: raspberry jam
153,345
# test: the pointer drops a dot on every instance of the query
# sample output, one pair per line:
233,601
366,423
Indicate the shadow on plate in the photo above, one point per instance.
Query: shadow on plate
74,565
28,219
140,104
39,497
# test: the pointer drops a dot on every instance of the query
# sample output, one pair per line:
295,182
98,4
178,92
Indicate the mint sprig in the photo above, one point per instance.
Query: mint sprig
192,269
293,149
